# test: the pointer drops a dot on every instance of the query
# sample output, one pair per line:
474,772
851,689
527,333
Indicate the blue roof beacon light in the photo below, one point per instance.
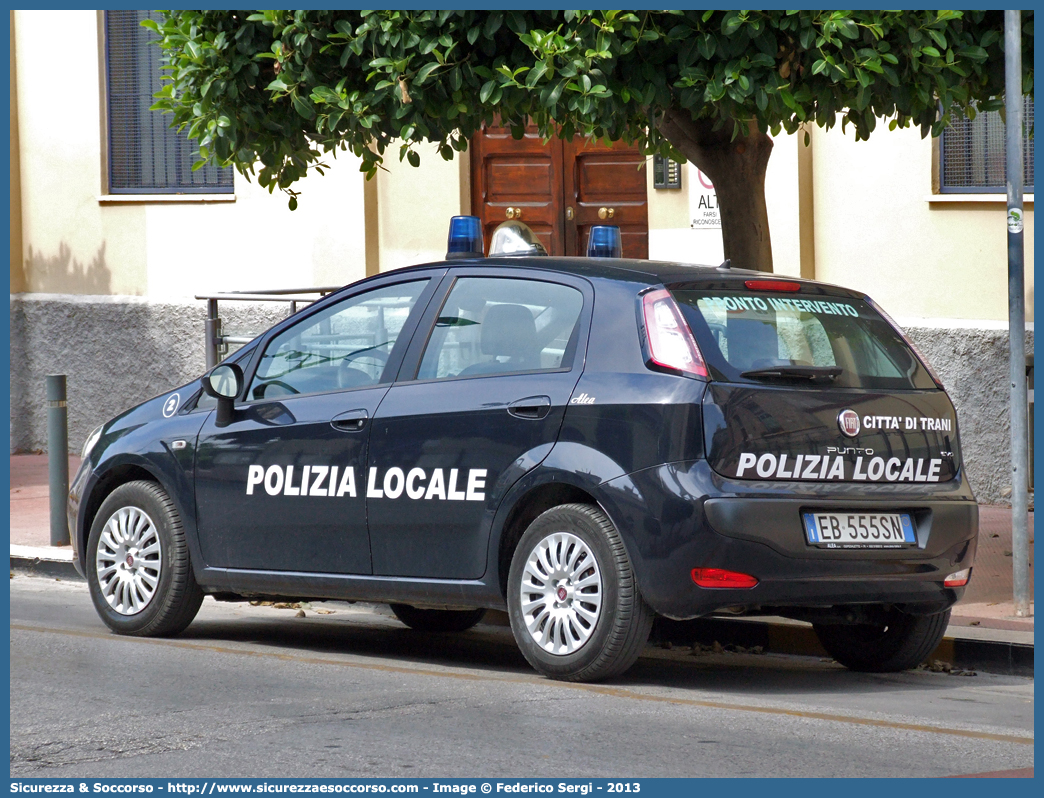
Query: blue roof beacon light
605,242
465,238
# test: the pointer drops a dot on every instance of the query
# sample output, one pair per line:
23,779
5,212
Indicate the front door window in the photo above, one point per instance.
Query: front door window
345,346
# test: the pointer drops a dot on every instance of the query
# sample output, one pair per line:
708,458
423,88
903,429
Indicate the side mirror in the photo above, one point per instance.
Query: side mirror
224,383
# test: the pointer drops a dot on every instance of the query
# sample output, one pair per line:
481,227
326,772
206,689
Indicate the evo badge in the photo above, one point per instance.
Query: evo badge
848,421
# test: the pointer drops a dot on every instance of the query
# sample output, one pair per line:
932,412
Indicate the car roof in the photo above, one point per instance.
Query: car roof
633,270
629,269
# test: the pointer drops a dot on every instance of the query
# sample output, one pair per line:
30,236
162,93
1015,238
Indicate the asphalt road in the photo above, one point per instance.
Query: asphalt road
255,691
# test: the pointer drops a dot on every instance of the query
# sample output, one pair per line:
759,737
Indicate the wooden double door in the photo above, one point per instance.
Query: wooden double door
560,189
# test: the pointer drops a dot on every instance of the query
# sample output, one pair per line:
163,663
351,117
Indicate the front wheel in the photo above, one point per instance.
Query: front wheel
899,643
138,568
573,601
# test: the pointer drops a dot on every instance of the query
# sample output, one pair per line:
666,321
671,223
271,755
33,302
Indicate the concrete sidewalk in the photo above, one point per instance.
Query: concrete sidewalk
983,632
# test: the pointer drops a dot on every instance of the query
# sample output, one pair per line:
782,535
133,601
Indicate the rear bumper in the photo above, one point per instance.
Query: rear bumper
682,516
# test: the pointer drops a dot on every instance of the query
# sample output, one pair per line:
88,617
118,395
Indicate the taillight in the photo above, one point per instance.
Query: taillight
671,344
719,577
772,285
958,579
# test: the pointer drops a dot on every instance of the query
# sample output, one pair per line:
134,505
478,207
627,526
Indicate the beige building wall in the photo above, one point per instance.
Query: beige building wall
415,205
863,215
15,183
879,228
257,242
671,236
77,239
68,244
860,214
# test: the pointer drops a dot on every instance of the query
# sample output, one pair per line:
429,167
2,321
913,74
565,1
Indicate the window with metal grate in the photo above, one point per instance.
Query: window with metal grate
145,155
972,154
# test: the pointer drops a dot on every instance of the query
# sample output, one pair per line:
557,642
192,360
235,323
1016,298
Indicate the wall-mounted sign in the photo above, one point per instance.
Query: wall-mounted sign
703,204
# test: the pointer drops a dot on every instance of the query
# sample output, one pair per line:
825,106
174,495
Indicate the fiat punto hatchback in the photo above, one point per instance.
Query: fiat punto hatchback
585,442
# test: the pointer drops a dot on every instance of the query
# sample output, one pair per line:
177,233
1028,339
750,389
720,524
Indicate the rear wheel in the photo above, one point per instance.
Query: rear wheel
573,601
138,567
899,643
437,620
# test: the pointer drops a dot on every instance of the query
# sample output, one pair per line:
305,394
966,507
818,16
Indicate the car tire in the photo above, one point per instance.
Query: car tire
574,604
901,643
437,620
138,567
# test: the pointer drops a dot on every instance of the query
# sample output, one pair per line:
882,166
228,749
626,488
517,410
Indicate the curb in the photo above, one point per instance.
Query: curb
42,566
992,656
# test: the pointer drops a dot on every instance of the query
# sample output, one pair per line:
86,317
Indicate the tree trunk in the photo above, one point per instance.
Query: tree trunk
737,169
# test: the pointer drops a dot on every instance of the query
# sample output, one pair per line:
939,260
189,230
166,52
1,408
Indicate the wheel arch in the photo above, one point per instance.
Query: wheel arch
538,499
552,490
109,480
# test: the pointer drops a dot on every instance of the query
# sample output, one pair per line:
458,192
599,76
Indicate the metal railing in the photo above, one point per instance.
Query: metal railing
217,343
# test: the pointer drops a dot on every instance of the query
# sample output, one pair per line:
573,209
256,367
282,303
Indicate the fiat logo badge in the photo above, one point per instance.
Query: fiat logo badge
848,421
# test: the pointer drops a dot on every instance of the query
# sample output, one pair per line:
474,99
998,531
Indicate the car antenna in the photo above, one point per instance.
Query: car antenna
726,264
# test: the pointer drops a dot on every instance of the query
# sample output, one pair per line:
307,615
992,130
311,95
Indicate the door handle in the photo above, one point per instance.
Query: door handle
606,213
350,420
532,407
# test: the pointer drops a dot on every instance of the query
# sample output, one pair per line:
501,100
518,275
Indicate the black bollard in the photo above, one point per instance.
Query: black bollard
58,457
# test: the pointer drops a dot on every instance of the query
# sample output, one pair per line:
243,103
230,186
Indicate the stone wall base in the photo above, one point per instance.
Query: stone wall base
116,352
972,361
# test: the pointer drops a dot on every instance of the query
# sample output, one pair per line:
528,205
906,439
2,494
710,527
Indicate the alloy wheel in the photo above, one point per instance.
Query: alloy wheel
129,560
561,593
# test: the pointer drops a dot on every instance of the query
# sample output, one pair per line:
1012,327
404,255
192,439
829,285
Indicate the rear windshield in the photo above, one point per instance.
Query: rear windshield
844,340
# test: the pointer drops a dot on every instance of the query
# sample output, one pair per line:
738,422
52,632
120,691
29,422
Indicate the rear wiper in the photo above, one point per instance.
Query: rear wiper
798,372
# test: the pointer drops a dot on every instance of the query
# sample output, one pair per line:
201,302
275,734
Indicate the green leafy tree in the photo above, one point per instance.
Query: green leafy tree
277,91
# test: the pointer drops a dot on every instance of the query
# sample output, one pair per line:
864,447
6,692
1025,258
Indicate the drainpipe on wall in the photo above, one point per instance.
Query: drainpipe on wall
806,206
371,226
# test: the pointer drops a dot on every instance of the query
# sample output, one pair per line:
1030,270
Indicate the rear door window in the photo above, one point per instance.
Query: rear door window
494,325
747,336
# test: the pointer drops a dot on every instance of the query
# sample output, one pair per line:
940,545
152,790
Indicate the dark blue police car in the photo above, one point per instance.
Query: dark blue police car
587,442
